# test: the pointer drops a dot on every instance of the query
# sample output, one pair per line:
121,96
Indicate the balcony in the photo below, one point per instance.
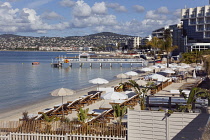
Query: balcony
185,16
200,29
207,14
192,23
200,22
200,15
193,16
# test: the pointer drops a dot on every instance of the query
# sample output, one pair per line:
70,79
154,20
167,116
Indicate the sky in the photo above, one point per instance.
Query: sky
62,18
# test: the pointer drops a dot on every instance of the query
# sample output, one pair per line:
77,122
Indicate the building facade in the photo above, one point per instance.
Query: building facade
134,43
176,34
196,27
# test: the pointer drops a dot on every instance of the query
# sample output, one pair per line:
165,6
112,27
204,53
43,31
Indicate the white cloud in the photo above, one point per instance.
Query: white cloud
99,8
81,9
153,15
162,10
95,20
38,3
138,8
117,7
51,15
67,3
24,20
177,13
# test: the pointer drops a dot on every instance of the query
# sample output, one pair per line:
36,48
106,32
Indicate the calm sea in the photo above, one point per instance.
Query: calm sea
23,83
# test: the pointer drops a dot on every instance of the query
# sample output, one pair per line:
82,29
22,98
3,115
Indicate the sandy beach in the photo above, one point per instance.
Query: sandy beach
33,109
13,115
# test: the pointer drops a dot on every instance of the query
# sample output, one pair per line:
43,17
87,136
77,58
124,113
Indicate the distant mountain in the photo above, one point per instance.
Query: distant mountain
9,35
108,34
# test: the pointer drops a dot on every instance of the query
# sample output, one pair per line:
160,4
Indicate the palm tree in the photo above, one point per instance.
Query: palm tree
122,87
154,43
142,92
119,112
194,94
166,45
82,115
48,121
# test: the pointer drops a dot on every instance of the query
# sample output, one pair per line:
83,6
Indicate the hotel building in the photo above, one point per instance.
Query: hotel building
196,28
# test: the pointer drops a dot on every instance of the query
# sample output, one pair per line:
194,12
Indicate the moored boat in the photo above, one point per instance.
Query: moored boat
35,63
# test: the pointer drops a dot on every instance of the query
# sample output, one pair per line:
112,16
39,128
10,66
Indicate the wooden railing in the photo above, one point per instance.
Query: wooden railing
58,127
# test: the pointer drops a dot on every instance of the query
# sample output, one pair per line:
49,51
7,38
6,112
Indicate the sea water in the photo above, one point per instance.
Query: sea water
22,83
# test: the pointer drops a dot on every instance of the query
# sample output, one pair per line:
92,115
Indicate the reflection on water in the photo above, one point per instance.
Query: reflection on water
23,84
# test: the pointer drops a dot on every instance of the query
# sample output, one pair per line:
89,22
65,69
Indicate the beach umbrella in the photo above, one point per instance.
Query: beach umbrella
146,69
122,75
181,69
155,76
131,73
194,74
141,82
114,96
62,92
168,71
98,81
190,69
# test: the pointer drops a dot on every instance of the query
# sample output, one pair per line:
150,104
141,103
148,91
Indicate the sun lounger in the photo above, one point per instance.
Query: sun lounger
85,100
95,112
74,105
105,106
59,110
96,96
46,111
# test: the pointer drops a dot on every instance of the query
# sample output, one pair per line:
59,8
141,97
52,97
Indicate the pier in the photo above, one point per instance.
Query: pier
100,62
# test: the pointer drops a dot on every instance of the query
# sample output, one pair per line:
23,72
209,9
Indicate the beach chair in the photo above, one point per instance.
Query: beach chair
46,111
85,100
60,110
96,96
95,112
73,105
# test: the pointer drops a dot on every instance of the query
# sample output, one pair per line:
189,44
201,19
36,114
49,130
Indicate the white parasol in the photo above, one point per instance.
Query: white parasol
98,81
114,96
62,92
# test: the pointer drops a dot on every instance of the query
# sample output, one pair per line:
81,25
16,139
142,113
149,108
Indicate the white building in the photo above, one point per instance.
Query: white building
196,27
145,40
134,42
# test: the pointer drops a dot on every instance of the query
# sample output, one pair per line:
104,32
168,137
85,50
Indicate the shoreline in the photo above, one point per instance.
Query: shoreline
14,114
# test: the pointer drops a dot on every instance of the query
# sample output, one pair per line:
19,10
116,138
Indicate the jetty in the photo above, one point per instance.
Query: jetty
85,58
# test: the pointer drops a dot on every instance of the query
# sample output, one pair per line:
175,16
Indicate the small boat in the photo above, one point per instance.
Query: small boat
35,63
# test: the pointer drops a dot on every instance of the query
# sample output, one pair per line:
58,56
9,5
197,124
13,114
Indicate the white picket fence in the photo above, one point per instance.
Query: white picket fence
27,136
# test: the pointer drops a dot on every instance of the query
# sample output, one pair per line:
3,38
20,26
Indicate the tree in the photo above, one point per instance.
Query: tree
83,115
195,93
166,45
119,112
48,121
142,92
154,43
